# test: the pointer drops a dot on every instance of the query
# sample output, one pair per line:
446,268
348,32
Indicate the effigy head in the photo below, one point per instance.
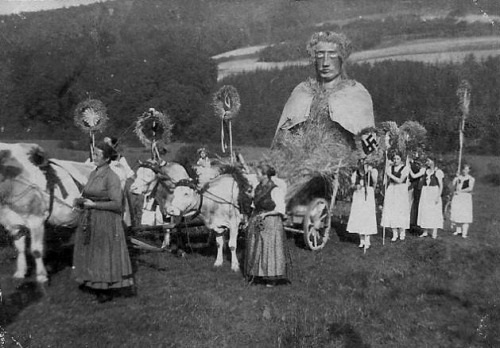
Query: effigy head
343,43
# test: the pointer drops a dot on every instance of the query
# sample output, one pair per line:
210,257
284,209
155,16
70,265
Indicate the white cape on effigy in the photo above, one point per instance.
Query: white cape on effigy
351,106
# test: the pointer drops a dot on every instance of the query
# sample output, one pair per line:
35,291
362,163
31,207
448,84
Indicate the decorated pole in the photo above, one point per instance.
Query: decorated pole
226,103
151,127
90,116
386,162
464,95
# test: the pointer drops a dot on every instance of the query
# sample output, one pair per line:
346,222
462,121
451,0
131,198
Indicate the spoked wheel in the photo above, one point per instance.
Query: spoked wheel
317,224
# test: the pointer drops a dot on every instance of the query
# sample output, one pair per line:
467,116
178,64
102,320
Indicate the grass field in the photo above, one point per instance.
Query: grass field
416,293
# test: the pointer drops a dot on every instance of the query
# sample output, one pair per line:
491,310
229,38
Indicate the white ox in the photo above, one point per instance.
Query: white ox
158,179
25,202
217,204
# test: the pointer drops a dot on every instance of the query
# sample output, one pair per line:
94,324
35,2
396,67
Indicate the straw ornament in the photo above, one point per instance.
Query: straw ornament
153,126
226,103
91,115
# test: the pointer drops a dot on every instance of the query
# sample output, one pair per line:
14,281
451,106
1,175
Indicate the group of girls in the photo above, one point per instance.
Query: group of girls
400,196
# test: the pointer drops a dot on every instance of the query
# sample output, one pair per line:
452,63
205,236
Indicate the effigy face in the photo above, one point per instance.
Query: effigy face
327,61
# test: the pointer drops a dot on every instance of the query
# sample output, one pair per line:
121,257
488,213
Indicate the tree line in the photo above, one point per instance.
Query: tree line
401,91
134,55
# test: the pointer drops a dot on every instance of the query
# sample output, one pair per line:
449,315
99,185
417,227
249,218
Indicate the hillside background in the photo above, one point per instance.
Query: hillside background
134,55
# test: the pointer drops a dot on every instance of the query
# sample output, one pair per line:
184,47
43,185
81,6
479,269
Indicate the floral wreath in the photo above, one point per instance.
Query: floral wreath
226,103
152,126
90,115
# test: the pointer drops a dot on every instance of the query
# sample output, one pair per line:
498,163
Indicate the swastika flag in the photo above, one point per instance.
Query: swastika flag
369,143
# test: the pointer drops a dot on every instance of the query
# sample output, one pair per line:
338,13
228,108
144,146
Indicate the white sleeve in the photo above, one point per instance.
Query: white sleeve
439,174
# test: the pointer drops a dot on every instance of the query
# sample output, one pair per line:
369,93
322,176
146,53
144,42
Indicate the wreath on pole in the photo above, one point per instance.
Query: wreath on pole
91,116
152,127
226,103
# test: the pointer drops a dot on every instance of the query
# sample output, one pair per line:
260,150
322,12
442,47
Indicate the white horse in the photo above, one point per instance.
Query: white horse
33,193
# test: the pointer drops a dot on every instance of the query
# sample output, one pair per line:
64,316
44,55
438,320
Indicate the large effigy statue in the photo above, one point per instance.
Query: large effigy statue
318,131
331,102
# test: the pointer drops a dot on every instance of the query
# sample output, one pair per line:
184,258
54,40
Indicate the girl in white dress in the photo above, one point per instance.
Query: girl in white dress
362,218
396,212
461,203
430,208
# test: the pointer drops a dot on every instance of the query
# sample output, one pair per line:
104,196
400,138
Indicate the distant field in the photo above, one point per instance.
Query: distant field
429,51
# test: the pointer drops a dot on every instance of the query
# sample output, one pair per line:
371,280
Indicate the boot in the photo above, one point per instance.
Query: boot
424,234
434,233
394,235
367,242
465,230
402,234
458,231
361,241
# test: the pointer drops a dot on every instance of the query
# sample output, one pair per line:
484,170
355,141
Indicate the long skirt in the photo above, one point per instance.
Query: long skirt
362,218
266,254
461,208
414,198
430,212
396,212
100,258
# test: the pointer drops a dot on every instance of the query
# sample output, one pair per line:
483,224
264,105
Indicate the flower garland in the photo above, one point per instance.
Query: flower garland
153,126
91,115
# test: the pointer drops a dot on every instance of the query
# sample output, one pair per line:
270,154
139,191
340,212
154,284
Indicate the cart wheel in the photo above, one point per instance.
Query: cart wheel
317,224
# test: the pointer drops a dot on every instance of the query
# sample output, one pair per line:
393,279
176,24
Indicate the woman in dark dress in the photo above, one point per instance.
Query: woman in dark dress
101,260
266,257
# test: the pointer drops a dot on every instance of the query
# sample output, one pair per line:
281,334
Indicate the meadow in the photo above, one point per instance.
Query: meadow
416,293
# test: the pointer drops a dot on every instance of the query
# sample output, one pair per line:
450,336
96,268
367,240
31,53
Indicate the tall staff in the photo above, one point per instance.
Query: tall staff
464,95
387,145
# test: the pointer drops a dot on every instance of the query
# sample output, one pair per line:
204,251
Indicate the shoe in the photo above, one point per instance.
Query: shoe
425,234
361,244
402,236
394,238
129,291
456,233
434,236
465,236
103,297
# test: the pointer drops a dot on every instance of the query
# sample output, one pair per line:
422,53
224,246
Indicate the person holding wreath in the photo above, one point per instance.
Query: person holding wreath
101,260
266,256
362,218
396,211
461,203
430,207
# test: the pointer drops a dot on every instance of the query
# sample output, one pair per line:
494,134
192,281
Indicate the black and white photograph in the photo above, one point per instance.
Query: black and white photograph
250,173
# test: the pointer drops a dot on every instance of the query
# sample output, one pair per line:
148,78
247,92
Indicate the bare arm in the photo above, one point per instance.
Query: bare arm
404,175
418,174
